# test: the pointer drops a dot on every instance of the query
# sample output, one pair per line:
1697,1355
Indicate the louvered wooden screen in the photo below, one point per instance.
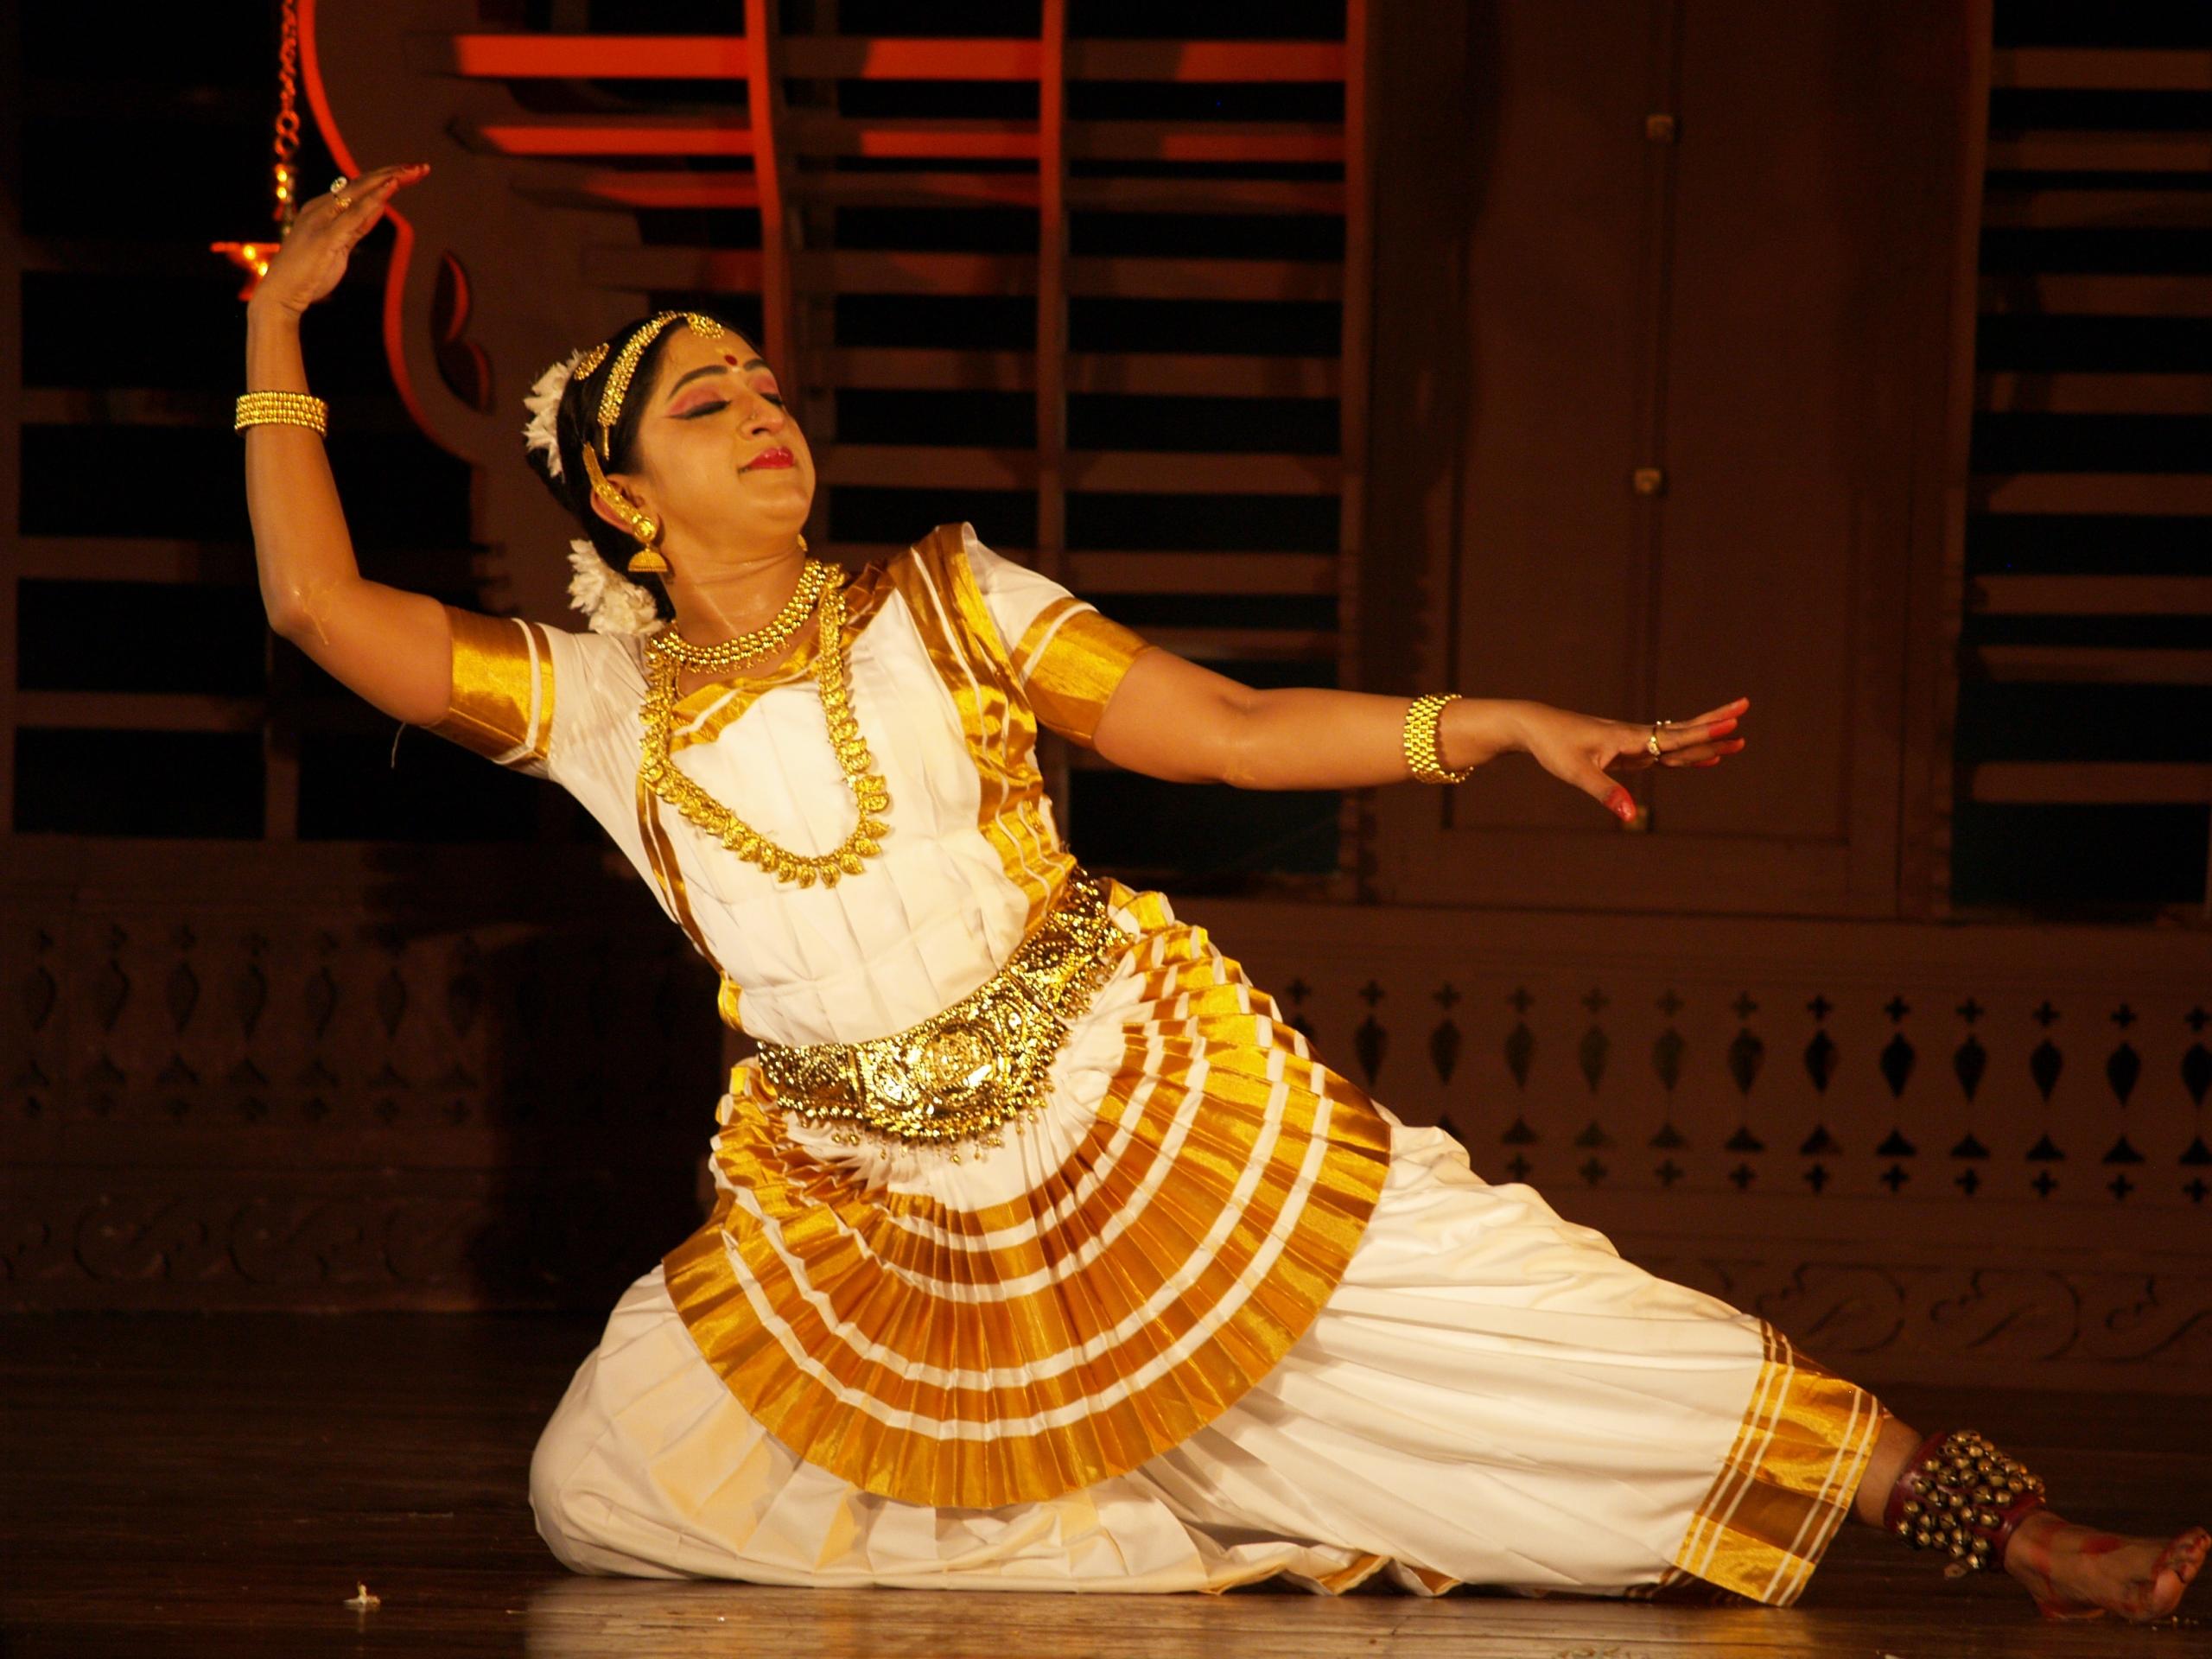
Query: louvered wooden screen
1103,296
2084,701
141,693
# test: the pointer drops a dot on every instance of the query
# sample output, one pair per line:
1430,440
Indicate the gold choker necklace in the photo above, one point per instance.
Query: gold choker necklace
870,796
744,648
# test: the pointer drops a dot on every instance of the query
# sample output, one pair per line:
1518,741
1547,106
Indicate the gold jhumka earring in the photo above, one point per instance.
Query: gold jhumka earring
647,560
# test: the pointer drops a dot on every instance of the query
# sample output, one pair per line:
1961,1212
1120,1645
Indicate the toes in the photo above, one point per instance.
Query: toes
2184,1557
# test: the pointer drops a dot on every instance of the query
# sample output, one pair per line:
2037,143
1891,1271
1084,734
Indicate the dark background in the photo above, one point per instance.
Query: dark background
1894,1028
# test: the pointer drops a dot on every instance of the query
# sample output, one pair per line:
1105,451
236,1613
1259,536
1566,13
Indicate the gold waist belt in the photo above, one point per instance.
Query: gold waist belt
972,1066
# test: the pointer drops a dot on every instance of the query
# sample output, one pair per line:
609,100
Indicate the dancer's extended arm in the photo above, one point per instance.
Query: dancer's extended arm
1174,719
392,646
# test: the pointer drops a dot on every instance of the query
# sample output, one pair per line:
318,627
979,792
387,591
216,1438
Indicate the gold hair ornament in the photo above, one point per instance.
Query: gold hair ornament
618,380
646,560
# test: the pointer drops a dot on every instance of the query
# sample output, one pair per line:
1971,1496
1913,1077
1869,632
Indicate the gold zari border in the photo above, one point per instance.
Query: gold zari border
1788,1481
953,619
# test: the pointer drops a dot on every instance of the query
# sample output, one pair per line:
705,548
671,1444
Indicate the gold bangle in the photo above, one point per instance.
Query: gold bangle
282,409
1422,756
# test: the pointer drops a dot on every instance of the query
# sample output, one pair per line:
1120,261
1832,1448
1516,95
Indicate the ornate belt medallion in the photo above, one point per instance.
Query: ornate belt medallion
972,1066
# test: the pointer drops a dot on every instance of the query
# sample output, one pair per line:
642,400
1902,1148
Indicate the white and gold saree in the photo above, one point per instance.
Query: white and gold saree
1215,1314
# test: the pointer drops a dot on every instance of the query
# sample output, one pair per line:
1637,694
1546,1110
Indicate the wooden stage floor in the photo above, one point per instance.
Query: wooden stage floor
218,1484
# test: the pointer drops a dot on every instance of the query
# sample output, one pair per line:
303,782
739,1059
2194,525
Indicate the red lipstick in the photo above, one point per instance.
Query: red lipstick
779,456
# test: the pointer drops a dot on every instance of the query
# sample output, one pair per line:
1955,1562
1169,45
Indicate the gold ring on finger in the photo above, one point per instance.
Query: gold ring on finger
344,202
1651,743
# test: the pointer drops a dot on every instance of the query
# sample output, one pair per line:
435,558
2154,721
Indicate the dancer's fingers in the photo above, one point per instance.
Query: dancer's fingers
1694,754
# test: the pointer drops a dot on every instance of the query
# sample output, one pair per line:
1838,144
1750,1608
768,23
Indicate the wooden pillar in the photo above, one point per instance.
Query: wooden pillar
1653,299
812,224
764,100
1052,288
11,408
1929,790
1053,335
1354,337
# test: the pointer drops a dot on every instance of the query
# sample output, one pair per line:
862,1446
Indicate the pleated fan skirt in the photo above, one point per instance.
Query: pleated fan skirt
1486,1393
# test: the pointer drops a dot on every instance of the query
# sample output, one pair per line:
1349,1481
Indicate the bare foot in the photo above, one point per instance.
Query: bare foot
2081,1573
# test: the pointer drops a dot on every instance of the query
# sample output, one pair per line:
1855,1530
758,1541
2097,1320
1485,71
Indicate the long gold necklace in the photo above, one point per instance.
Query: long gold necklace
764,641
870,795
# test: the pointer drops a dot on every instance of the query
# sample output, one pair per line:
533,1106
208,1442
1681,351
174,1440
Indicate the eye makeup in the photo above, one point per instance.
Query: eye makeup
714,403
708,406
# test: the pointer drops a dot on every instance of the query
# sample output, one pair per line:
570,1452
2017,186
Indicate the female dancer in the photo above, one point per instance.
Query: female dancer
1044,1255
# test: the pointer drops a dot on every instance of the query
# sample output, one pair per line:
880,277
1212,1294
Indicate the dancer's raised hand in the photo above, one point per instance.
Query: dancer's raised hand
312,256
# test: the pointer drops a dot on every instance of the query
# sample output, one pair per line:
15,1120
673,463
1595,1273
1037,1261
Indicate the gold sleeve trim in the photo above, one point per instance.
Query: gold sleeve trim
501,702
1071,658
1040,630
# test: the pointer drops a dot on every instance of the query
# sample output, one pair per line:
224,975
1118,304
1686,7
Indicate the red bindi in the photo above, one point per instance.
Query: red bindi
726,357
